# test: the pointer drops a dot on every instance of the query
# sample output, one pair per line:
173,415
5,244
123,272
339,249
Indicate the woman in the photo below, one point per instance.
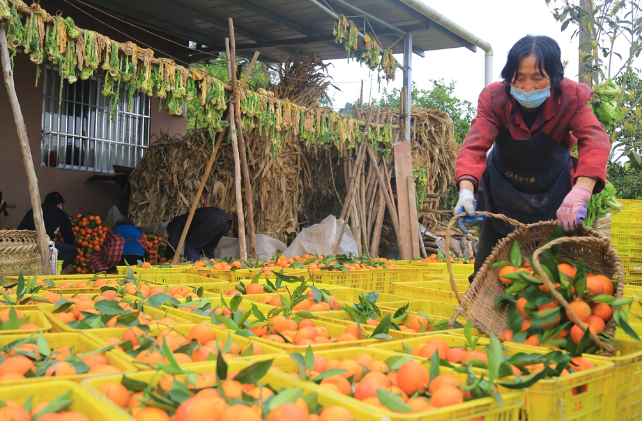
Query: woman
534,117
124,244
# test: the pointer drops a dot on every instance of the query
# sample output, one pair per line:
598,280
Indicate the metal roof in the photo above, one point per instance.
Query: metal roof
276,26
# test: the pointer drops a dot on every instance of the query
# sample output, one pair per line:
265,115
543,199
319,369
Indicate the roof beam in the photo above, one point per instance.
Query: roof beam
423,18
144,17
219,23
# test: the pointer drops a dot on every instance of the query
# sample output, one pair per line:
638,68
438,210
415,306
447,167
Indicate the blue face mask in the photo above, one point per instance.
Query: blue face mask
532,99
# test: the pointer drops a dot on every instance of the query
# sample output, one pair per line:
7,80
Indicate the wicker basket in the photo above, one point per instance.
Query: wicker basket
478,303
19,252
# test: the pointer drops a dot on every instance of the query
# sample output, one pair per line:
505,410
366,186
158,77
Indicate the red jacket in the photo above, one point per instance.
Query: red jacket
563,113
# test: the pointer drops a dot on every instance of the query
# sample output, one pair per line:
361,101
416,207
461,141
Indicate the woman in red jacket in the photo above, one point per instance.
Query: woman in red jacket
534,117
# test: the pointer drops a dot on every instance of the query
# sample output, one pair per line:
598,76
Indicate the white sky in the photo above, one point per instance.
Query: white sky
498,22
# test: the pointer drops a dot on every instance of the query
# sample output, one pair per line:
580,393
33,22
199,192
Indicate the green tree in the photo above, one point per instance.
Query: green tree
440,97
625,177
261,77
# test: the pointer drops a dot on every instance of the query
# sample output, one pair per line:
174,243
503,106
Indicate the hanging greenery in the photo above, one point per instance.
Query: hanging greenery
80,54
371,54
421,178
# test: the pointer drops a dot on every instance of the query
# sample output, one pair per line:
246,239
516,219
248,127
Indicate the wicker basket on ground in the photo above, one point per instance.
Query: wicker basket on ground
478,303
19,252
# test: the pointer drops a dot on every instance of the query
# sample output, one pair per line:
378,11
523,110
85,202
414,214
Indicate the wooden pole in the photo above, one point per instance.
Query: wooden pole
376,233
237,166
208,168
249,197
34,193
197,198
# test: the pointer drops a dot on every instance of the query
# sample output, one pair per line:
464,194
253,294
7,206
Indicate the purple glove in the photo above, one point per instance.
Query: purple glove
573,209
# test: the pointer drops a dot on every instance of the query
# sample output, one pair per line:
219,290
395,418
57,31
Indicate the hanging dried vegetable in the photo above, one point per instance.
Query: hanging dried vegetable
421,178
340,29
388,64
351,42
369,53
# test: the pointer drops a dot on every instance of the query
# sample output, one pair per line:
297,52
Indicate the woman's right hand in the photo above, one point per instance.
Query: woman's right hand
466,204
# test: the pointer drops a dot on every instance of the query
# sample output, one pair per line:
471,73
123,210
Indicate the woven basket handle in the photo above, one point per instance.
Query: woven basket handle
447,238
558,297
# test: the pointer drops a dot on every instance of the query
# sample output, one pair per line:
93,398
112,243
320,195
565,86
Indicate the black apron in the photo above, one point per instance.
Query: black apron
526,180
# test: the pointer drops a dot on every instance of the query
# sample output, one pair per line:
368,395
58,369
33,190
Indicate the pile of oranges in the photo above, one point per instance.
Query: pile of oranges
17,317
24,357
90,233
558,331
14,411
217,399
199,345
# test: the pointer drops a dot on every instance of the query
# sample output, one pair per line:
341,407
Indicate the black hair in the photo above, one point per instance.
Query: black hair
55,198
549,58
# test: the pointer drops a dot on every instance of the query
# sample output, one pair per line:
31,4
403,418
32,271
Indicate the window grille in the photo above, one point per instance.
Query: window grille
79,132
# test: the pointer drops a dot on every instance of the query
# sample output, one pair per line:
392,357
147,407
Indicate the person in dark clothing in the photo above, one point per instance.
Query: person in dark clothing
123,243
55,220
208,226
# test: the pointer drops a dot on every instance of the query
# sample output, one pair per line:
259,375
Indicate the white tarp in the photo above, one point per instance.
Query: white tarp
321,238
266,247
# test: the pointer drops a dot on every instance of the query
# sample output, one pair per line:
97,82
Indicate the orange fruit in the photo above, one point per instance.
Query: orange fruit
341,383
446,396
116,392
532,340
596,324
236,413
419,404
104,369
287,412
280,323
419,324
12,413
335,413
603,311
92,360
443,380
606,283
456,355
202,333
352,368
149,413
567,270
581,310
576,334
412,377
367,388
594,286
507,335
18,365
353,329
520,308
503,271
580,364
201,408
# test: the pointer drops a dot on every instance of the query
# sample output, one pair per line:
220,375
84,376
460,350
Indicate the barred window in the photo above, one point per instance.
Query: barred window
79,133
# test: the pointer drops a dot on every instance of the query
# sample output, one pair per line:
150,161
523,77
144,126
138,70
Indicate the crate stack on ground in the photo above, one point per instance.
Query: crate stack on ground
626,236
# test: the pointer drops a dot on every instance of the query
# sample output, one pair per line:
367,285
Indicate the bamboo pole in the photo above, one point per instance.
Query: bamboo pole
237,166
249,197
197,198
387,195
208,169
34,193
376,234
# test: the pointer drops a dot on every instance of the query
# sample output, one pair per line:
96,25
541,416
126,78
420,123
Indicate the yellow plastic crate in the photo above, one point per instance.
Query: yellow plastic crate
80,343
83,400
59,266
241,274
627,216
269,351
424,291
333,329
381,279
223,275
177,279
626,241
354,279
343,318
246,305
59,326
345,296
486,408
273,379
123,270
445,286
632,252
549,399
432,308
35,317
632,265
627,228
629,205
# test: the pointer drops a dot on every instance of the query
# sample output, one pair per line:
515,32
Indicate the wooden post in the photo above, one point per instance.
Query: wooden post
34,193
237,166
408,248
241,141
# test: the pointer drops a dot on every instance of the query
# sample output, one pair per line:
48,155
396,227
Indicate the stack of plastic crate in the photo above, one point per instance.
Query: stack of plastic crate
626,236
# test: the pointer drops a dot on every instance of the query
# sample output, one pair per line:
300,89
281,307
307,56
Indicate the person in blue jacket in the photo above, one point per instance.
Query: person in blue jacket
123,244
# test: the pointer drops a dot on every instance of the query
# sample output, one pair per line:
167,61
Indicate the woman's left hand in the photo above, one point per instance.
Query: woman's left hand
573,209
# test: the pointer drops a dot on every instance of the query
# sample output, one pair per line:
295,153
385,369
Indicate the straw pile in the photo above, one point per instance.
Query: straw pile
300,186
